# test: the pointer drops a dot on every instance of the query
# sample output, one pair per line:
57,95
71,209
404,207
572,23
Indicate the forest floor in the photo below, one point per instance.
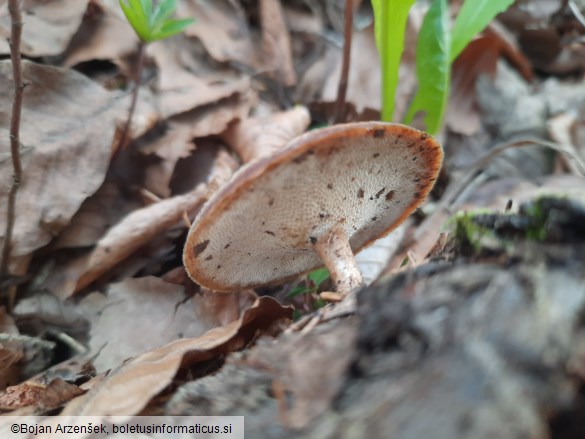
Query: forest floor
472,323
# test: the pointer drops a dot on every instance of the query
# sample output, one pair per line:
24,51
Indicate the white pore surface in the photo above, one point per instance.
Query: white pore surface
265,234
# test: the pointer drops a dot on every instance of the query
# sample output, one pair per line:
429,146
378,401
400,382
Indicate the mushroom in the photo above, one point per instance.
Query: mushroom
315,202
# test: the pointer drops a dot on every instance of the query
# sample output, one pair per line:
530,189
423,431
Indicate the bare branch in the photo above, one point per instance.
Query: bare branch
15,37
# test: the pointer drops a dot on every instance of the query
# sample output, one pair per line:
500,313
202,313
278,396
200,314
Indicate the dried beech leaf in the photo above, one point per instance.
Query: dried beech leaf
68,124
222,28
39,395
49,25
103,35
129,389
179,88
276,39
261,136
148,311
135,230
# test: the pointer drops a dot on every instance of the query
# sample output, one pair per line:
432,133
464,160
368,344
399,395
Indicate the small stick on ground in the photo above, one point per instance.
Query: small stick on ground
15,37
137,83
343,80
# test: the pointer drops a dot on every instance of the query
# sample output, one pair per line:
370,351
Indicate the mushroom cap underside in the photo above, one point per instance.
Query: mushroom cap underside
259,228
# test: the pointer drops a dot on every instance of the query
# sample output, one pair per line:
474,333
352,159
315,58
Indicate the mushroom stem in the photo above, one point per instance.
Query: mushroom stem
335,252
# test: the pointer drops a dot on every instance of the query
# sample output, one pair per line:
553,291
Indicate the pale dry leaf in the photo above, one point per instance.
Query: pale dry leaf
372,260
185,82
129,389
222,28
143,225
48,25
262,136
68,125
39,395
176,143
135,230
147,311
96,215
214,118
276,43
103,35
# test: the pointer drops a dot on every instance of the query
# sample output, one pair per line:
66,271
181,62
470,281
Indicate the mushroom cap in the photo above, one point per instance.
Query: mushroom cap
259,228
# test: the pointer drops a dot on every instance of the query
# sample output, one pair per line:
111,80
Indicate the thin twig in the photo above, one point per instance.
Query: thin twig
343,80
137,82
15,37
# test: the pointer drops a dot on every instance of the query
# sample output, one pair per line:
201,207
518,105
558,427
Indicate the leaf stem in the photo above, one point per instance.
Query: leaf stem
343,80
15,38
137,83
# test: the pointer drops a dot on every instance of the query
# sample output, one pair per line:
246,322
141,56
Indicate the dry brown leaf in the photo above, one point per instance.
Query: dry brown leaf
177,143
147,311
363,88
129,389
39,395
104,208
222,28
68,124
259,137
135,230
103,35
48,25
185,82
276,43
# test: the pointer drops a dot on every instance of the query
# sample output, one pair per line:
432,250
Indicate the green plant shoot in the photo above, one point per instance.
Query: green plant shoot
152,24
432,67
473,17
437,48
316,278
390,24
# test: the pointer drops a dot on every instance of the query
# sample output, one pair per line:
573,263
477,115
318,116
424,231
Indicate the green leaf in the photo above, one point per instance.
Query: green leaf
296,291
136,17
432,67
170,28
318,276
390,24
473,17
164,10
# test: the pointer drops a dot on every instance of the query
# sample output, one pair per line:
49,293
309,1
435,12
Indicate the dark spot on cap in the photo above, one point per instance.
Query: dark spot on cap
329,186
218,267
226,246
376,155
389,195
268,232
379,133
424,136
414,158
380,192
352,178
313,239
200,247
321,215
410,144
416,180
342,220
209,258
360,193
271,202
371,198
374,218
249,254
